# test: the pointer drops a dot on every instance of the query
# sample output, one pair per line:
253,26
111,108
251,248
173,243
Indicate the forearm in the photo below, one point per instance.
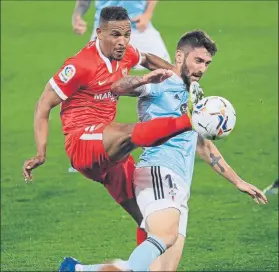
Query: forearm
81,7
151,4
210,154
129,86
152,62
41,128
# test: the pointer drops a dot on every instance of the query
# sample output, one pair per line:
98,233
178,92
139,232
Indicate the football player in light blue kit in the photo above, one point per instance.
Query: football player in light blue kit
163,176
144,36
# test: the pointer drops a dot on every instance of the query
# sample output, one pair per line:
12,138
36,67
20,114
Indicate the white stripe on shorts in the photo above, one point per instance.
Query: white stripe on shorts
93,136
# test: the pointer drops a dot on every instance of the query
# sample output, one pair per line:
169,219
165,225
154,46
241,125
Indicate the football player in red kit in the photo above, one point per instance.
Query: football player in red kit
98,147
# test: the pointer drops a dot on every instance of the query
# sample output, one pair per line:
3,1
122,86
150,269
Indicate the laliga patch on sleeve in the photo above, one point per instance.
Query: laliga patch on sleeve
67,73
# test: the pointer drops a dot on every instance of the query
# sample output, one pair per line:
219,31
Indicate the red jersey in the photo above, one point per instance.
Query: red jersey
84,83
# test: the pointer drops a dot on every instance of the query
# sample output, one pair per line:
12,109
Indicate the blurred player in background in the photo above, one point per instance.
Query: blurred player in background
144,36
273,188
163,175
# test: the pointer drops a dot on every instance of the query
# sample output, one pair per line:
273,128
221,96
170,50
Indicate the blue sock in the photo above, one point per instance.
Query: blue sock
143,255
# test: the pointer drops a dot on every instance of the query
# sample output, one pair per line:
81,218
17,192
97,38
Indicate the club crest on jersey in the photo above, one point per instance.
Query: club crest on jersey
125,72
67,73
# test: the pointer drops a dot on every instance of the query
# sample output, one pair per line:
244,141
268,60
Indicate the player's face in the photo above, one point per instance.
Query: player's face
114,37
195,64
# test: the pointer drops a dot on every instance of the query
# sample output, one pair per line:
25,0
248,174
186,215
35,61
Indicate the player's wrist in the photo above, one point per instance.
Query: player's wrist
237,181
145,79
41,155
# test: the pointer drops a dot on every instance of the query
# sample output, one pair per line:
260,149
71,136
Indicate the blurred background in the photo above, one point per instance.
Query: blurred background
63,214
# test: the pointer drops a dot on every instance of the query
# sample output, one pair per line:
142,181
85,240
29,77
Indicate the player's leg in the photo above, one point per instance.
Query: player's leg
169,261
119,184
161,204
162,217
120,139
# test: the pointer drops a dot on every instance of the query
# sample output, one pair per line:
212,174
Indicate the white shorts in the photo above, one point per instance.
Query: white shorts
158,188
149,41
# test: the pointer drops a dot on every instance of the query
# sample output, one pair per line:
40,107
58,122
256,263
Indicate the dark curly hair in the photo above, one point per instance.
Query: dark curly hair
196,39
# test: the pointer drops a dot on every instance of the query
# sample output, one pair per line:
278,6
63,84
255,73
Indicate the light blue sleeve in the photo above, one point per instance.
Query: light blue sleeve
152,90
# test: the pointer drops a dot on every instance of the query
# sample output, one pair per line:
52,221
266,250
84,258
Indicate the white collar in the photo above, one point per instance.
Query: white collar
104,58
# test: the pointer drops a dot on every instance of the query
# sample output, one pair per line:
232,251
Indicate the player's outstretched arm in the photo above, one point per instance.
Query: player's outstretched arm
210,154
136,85
152,62
47,101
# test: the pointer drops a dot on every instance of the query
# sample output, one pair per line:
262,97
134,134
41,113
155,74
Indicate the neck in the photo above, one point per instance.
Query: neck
177,70
102,48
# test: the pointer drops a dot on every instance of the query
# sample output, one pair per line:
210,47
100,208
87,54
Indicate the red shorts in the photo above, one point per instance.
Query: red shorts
87,155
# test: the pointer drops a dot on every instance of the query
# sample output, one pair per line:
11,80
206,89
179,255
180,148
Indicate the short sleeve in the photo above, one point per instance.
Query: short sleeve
134,55
151,90
68,79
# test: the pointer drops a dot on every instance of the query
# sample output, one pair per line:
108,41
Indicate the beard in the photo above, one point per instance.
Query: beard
184,73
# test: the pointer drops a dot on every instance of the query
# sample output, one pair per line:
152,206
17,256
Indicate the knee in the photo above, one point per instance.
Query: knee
168,236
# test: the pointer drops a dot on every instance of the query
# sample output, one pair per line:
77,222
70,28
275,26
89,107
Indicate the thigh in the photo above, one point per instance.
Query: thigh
119,184
158,188
117,140
86,151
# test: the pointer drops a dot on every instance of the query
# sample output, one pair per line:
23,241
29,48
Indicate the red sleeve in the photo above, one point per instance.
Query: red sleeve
133,55
69,78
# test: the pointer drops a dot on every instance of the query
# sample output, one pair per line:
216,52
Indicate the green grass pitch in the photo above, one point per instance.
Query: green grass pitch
64,214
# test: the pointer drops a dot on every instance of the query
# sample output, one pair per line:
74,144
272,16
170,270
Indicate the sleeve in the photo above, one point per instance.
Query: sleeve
68,79
151,90
134,55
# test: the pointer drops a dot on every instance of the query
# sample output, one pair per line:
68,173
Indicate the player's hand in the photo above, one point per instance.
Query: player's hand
253,191
79,25
157,76
141,21
31,164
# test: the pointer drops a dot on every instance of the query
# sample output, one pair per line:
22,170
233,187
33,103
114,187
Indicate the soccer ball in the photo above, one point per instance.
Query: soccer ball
213,117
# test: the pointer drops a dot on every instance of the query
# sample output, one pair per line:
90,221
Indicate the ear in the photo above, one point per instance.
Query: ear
179,56
99,33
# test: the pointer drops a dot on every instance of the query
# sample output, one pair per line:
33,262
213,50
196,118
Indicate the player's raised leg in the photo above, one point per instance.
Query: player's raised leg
120,139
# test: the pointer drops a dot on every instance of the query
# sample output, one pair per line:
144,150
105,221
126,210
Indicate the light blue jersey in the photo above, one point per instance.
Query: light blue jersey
134,8
168,99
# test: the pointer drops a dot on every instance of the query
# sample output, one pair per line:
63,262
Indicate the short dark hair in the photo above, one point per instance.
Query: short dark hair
114,13
196,39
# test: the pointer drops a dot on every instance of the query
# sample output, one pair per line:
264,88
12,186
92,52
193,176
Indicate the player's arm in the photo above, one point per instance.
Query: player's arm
143,20
152,62
137,85
48,100
81,7
61,86
210,154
